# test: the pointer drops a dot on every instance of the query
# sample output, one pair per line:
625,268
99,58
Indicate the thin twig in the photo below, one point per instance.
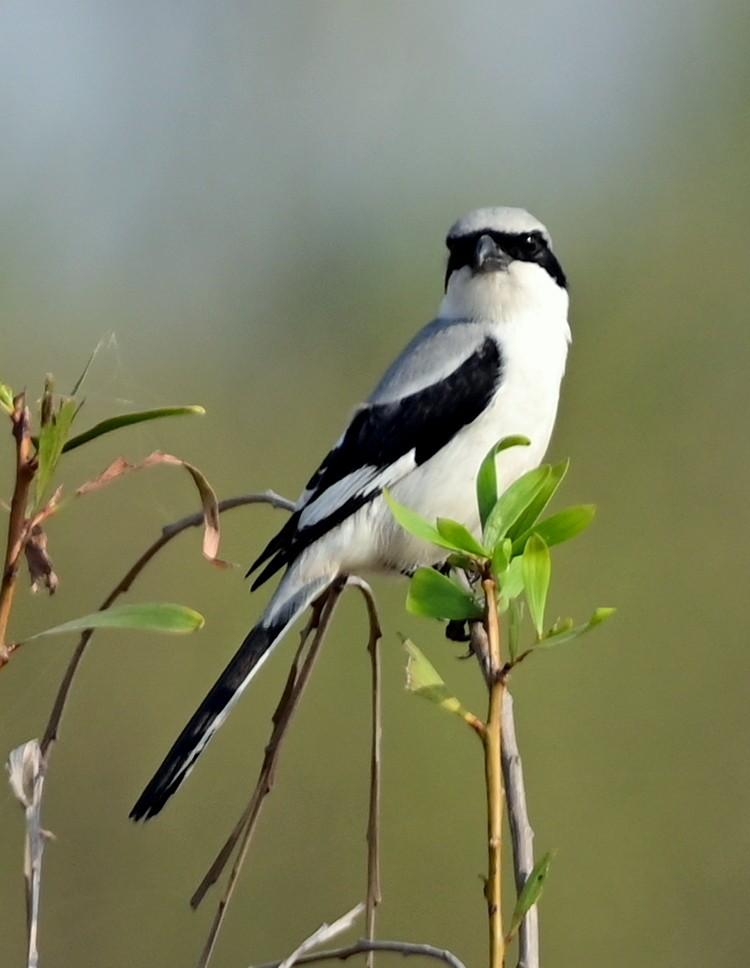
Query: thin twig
374,897
521,834
222,858
364,945
480,648
169,532
266,772
265,778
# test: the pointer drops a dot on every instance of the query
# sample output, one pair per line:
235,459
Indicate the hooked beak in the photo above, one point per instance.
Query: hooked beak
489,257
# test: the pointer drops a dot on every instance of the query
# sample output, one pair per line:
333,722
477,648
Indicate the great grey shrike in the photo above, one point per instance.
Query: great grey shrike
488,366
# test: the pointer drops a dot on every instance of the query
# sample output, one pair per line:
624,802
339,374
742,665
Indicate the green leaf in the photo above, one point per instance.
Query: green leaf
560,527
436,596
487,476
411,521
423,679
514,628
51,444
525,523
6,398
415,524
561,625
513,502
461,537
530,892
501,557
79,382
537,567
511,584
126,420
463,562
564,631
145,617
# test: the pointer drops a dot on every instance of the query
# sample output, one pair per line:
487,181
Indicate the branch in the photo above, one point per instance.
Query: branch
492,744
521,835
169,532
364,945
244,829
374,897
521,832
290,698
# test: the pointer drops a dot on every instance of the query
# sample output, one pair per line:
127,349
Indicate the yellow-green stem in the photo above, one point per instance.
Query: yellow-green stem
492,742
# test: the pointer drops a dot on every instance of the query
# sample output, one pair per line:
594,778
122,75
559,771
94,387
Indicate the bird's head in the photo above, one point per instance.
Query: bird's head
501,261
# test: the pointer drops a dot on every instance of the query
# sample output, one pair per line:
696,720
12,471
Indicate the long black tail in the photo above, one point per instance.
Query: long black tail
227,689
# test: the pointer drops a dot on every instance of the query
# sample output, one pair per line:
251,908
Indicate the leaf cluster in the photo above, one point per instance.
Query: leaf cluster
41,444
514,550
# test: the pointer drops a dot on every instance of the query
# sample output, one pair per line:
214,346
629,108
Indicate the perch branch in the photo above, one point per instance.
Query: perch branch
492,744
374,897
287,695
245,828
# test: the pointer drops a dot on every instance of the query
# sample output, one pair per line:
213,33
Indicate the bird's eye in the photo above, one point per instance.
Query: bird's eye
530,245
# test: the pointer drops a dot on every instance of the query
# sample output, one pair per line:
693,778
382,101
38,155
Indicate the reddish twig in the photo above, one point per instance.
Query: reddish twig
18,525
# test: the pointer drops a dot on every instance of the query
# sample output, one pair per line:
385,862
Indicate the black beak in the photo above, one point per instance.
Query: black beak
489,257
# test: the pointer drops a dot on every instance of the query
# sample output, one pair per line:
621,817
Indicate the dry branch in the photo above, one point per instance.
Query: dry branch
374,897
364,945
244,830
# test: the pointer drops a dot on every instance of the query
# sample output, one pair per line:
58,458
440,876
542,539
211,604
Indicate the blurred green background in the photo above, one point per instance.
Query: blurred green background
246,202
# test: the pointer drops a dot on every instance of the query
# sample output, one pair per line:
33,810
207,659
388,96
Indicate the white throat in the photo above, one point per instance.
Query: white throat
506,296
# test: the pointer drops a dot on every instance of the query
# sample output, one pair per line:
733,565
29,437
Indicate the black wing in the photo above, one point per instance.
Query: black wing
378,436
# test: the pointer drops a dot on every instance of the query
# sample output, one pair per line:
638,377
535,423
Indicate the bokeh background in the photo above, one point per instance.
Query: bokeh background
244,204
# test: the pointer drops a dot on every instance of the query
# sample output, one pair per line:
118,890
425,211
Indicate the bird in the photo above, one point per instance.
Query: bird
488,366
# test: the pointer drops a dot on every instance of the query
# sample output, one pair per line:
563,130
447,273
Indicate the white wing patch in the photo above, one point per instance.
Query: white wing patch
363,482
